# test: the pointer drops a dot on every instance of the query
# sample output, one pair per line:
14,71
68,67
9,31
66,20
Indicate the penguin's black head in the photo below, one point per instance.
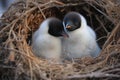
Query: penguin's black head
72,21
56,28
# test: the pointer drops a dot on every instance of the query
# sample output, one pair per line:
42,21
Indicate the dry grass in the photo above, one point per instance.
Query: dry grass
17,61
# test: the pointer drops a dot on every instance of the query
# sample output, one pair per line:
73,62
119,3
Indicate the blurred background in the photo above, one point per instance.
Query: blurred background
4,4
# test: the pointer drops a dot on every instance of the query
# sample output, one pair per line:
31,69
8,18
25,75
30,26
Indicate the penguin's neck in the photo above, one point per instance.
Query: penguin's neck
81,33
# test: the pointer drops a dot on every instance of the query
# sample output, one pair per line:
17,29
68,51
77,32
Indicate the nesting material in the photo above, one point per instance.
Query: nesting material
23,17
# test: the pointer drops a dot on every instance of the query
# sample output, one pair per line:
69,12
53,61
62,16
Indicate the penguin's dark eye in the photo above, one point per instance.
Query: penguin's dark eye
77,23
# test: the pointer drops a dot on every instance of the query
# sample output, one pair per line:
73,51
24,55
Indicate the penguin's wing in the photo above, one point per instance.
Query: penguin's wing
93,48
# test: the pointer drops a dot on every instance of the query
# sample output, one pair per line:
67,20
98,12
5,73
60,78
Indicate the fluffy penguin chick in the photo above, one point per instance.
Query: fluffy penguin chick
82,39
46,41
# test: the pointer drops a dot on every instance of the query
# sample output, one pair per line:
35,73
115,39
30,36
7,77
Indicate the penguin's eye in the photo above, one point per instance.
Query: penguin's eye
74,20
76,23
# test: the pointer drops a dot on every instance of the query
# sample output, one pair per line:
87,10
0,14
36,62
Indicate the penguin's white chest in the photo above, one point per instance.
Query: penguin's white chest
75,46
47,46
81,43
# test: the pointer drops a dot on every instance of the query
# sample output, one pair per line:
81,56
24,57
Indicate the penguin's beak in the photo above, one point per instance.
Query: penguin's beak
65,34
69,25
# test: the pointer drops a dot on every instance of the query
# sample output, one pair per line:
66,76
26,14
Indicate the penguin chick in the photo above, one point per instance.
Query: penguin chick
46,42
82,39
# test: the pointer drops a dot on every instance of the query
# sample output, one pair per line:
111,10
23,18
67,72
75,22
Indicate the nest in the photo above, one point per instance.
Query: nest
23,17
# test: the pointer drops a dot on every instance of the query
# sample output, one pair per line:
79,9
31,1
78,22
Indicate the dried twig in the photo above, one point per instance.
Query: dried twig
117,28
93,75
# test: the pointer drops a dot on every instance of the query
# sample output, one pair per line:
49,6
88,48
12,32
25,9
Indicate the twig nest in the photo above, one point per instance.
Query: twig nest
23,18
